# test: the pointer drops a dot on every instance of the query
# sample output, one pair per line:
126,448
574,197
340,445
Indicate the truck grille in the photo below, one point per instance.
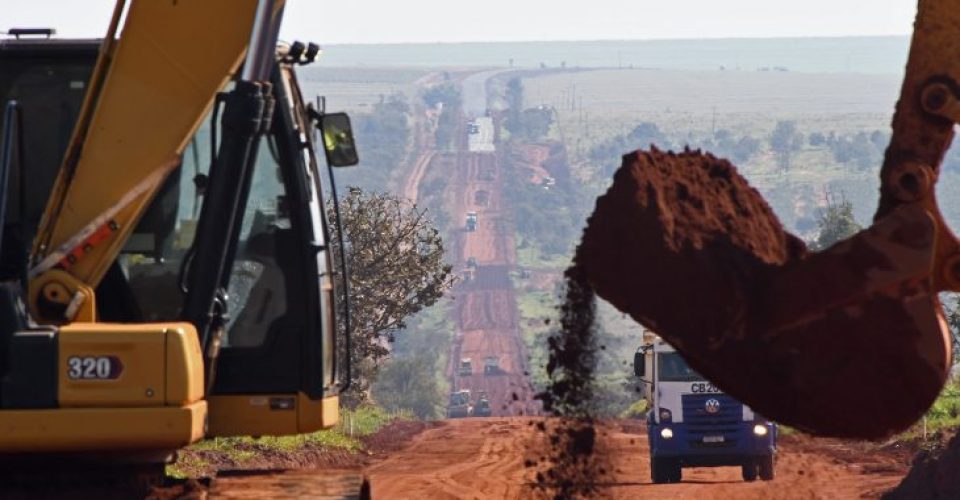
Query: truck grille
701,422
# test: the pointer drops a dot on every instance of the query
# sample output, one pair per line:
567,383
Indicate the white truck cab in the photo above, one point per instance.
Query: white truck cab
691,423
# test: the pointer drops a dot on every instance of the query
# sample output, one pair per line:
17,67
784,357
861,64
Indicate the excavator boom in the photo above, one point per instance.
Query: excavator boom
165,69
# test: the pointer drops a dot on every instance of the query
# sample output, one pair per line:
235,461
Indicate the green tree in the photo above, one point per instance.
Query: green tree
395,258
535,123
514,97
447,94
951,307
410,384
784,141
836,222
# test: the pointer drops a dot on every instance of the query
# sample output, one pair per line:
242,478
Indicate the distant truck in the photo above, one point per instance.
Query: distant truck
691,423
466,367
471,221
491,365
459,405
482,409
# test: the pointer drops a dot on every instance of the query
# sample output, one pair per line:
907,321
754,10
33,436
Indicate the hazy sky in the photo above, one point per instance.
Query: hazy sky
371,21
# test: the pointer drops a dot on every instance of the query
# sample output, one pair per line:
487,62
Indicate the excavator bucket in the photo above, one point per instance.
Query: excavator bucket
848,342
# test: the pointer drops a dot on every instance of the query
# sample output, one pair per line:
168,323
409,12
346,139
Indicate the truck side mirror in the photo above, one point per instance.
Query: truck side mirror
639,363
338,141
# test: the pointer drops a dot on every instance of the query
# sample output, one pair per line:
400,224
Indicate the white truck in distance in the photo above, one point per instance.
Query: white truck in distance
692,424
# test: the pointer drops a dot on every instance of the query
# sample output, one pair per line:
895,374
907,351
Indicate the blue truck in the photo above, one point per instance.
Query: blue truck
691,423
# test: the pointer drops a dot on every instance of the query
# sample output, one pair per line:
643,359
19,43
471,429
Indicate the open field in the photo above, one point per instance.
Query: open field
687,106
357,89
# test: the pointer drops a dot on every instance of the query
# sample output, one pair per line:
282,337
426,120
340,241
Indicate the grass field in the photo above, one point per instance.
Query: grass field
357,89
687,106
208,455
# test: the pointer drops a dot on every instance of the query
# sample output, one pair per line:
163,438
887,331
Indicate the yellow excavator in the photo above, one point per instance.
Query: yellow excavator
180,280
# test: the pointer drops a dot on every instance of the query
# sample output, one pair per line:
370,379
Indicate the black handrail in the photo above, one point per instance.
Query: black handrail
12,121
346,280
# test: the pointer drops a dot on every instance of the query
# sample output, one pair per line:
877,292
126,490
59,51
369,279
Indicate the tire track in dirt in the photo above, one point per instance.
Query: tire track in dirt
411,187
483,458
467,458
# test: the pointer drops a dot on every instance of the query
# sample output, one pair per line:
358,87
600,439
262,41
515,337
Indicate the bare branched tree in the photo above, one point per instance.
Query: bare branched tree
395,261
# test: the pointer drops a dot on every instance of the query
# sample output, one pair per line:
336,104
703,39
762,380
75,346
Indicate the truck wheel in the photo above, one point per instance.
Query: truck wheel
766,468
676,472
665,470
658,471
749,470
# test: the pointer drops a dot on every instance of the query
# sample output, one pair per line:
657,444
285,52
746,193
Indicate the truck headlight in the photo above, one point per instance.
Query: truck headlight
666,433
760,430
665,415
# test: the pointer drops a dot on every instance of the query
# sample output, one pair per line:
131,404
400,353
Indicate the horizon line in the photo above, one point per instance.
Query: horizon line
593,40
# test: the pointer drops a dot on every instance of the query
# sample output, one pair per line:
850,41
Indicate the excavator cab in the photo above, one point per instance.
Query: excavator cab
273,368
276,369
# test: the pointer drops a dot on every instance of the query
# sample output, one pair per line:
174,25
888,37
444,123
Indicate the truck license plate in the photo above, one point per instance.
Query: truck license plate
712,439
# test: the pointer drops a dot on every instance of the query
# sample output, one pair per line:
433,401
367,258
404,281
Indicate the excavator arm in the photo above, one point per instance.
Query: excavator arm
165,69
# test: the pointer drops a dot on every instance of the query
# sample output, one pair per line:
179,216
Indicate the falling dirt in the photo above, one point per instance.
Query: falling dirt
685,246
574,464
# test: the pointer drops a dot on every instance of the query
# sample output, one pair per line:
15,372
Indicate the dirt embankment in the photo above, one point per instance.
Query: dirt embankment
272,473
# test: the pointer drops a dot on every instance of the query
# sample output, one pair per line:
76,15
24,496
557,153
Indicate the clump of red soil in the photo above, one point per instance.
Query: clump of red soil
933,475
686,247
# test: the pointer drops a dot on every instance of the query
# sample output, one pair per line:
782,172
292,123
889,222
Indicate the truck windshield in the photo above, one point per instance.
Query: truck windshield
673,368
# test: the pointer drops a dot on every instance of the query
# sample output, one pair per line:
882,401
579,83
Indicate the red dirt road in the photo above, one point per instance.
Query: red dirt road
486,314
484,458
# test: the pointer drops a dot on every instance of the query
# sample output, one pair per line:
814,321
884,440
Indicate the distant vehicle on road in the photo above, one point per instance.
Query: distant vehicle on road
466,367
459,405
482,409
472,262
471,221
692,424
473,128
491,365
